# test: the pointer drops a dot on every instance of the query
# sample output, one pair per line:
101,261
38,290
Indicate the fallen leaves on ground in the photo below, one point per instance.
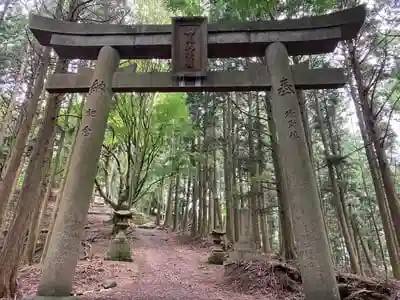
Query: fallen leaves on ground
89,276
284,281
173,266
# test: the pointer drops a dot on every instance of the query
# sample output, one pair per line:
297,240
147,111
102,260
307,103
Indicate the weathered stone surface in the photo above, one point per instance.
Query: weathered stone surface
43,26
119,248
121,220
217,237
63,253
245,255
300,42
218,232
217,249
217,258
312,245
309,35
244,248
254,79
124,213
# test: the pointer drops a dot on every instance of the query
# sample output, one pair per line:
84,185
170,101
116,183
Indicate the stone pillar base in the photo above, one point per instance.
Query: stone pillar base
119,248
50,298
245,254
217,256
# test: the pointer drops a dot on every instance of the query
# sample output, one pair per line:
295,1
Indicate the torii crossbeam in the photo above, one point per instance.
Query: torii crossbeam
254,79
309,35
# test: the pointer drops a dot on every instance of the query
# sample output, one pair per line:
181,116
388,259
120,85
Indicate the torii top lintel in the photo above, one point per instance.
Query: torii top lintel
309,35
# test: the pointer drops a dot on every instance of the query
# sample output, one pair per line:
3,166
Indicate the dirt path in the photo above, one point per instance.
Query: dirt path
167,270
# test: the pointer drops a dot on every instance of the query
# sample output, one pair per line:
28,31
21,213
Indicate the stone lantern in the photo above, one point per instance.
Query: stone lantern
119,248
217,256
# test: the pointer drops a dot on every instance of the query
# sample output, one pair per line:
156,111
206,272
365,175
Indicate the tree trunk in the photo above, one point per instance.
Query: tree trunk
374,135
47,185
214,223
34,222
355,267
194,191
303,110
23,133
187,202
11,253
237,192
211,202
176,202
204,186
260,170
214,218
254,191
9,211
159,202
5,123
168,211
227,150
376,179
363,245
287,239
200,197
217,205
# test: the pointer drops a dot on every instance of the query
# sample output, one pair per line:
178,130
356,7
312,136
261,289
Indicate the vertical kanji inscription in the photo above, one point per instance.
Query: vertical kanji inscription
189,47
97,86
285,88
290,116
86,131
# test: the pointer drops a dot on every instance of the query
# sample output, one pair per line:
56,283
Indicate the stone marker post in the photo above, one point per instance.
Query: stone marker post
312,244
244,248
245,231
63,253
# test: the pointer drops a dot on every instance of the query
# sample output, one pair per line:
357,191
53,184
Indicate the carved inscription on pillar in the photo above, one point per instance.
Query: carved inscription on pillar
189,47
98,86
285,88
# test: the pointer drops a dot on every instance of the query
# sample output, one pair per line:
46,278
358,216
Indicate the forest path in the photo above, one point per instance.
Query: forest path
168,270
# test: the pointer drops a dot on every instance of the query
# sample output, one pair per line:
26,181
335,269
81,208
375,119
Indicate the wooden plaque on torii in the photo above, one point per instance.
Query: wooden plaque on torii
189,48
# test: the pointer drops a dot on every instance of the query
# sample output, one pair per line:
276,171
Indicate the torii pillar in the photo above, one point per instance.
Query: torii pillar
315,261
63,253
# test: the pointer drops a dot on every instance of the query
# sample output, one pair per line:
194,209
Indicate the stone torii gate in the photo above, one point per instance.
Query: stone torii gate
190,41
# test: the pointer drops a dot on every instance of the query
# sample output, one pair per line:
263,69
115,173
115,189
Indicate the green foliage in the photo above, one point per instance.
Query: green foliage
145,132
11,39
185,7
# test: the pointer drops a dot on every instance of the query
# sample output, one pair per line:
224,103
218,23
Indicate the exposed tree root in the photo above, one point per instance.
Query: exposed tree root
8,286
274,275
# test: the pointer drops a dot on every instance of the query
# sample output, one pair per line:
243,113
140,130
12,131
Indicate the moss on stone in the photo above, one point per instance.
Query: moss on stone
119,248
216,258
